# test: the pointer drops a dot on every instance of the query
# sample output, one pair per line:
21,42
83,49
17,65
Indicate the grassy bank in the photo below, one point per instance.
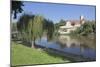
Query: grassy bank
22,55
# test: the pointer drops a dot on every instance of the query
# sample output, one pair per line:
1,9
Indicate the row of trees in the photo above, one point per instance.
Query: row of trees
31,27
87,28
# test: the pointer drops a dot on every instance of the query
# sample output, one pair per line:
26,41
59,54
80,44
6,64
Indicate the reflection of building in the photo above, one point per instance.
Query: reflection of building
68,41
71,25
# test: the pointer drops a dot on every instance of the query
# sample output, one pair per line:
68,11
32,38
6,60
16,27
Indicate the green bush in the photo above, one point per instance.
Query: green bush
86,28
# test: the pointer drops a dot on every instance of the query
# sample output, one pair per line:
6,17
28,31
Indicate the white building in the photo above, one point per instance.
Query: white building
71,25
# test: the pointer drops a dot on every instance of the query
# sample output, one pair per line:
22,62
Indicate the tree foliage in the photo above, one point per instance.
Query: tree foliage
87,28
32,27
50,29
61,23
16,8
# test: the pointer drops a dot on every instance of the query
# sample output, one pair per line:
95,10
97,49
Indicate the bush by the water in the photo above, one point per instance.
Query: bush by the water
85,29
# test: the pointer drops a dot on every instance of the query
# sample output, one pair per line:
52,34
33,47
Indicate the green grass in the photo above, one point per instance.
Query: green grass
22,55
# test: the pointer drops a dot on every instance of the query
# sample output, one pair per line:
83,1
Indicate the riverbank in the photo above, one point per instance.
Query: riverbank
22,55
70,56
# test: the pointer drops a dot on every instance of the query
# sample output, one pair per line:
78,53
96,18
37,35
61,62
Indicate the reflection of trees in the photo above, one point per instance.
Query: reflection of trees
65,45
62,45
76,41
87,42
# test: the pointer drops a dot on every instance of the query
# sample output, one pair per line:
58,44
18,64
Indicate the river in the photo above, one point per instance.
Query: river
81,45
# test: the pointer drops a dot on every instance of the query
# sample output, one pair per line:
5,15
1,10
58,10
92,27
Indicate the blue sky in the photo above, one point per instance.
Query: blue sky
56,12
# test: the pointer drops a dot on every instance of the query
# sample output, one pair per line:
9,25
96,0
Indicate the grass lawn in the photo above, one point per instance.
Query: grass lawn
22,55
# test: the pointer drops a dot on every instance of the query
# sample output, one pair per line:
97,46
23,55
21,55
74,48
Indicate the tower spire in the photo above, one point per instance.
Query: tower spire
82,21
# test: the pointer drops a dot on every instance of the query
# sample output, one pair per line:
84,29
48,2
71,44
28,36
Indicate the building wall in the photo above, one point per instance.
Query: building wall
68,27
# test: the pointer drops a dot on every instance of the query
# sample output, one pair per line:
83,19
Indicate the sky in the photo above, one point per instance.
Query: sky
56,12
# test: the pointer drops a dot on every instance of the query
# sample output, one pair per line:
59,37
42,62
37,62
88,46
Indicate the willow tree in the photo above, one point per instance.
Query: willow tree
48,26
50,29
32,27
22,25
35,28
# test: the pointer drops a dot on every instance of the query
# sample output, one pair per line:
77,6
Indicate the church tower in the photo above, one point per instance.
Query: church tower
82,20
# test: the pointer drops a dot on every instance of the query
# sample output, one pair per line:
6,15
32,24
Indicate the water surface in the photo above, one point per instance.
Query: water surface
83,46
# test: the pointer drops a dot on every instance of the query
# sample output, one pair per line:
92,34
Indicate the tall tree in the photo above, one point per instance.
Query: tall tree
32,27
22,25
37,28
50,29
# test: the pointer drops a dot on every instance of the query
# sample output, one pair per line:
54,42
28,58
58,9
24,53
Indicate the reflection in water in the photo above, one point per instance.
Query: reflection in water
79,45
67,41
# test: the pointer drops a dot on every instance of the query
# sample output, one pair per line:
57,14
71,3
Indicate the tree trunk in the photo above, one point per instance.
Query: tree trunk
32,46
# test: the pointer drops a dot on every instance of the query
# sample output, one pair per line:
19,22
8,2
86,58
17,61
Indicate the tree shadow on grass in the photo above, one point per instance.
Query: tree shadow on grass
18,42
27,44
